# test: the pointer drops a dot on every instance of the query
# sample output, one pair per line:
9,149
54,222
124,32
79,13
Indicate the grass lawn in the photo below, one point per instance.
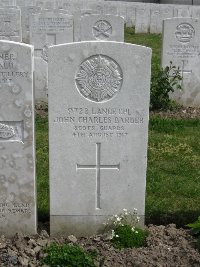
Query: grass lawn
173,175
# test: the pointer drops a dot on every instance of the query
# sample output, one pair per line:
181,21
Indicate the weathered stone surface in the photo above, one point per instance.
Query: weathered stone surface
17,144
26,12
102,27
98,121
142,23
10,24
47,28
181,46
158,14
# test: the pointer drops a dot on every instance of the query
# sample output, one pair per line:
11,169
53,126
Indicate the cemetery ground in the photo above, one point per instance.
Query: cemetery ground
172,195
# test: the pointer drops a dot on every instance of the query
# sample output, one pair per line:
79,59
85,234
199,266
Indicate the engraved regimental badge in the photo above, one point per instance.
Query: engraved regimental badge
99,78
184,32
102,30
6,131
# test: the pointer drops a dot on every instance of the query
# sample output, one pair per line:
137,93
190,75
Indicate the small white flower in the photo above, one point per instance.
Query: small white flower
125,210
136,232
138,218
118,219
116,236
133,228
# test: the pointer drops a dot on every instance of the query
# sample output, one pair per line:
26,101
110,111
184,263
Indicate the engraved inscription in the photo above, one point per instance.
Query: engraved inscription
102,30
101,122
7,209
11,131
8,66
99,78
98,167
184,32
51,24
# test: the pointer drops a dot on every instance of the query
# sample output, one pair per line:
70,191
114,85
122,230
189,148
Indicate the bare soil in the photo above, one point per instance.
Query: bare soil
166,246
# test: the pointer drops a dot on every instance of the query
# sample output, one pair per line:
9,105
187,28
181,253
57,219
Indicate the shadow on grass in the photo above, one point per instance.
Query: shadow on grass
179,218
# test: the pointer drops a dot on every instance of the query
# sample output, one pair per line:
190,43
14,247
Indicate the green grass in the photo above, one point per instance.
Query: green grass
173,175
153,41
42,166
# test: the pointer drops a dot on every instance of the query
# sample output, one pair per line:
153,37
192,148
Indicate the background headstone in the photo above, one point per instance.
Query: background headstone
10,24
102,27
158,14
98,123
7,3
142,22
17,140
47,28
181,45
26,12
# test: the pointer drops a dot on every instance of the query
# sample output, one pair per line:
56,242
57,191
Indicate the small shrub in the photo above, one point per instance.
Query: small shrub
67,256
124,233
128,237
163,82
195,228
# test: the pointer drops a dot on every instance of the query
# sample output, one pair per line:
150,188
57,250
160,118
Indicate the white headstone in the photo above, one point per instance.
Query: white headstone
23,3
47,28
111,8
98,123
7,3
26,12
196,12
102,27
182,11
77,22
10,24
142,22
181,45
130,15
17,140
158,14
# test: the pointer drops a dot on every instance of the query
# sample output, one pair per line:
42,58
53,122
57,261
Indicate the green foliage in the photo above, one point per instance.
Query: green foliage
163,82
195,227
124,233
67,256
198,244
128,237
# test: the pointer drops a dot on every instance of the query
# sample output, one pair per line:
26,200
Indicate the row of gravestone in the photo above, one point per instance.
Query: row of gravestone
98,122
145,17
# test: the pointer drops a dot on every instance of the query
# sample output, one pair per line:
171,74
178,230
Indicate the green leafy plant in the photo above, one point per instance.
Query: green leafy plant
195,226
164,81
195,229
67,256
124,233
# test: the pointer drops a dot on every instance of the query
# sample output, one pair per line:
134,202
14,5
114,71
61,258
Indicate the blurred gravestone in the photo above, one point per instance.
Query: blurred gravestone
17,140
181,46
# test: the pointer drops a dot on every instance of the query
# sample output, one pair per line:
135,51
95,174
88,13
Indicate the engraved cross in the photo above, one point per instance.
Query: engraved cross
98,167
